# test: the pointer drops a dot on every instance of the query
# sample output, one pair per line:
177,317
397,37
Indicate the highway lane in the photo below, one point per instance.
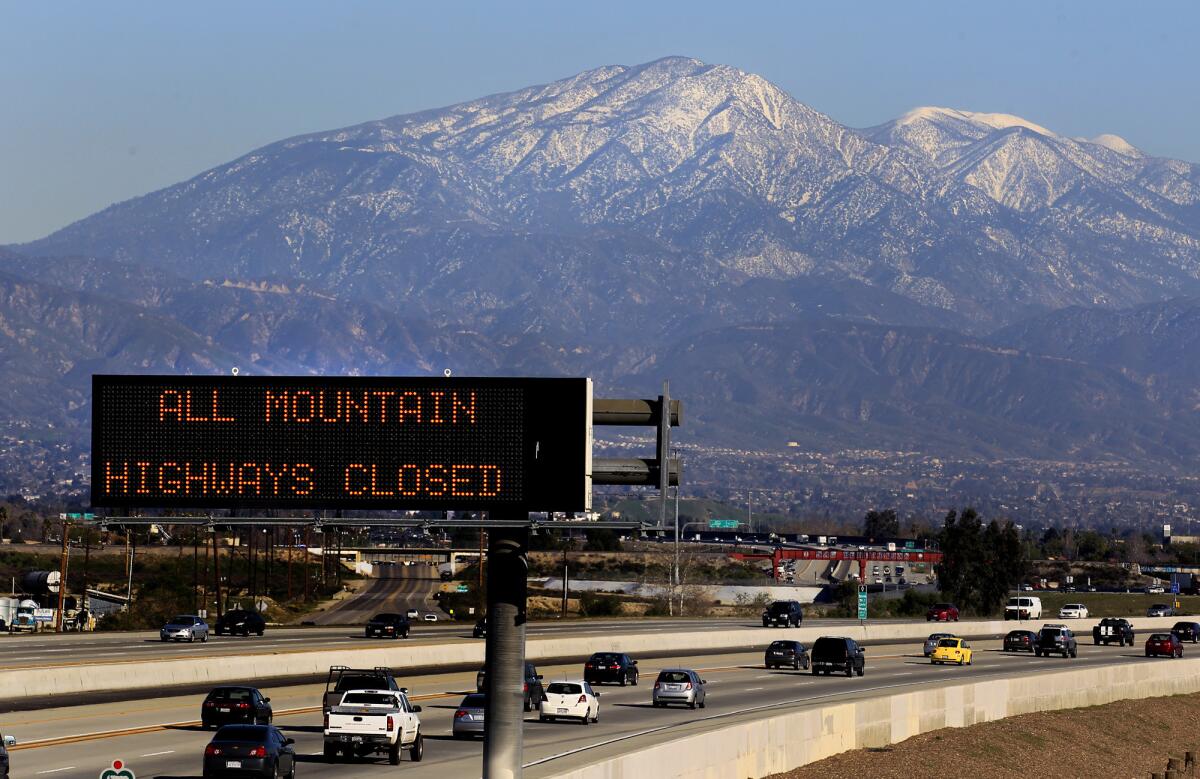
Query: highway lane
739,688
52,650
394,588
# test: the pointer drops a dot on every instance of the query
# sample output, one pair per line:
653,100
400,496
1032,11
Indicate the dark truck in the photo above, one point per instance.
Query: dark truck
1113,629
342,679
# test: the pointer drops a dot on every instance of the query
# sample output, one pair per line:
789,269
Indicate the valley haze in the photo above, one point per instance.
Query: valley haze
952,307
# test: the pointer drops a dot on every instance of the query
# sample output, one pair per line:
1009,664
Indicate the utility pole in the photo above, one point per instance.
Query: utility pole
217,570
566,577
131,550
749,520
505,650
62,574
678,580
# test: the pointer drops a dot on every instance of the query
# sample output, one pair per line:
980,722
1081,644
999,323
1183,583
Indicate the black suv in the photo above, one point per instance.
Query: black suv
241,705
240,622
480,629
786,653
1187,631
532,691
342,679
831,653
616,667
1113,629
1056,639
783,613
387,625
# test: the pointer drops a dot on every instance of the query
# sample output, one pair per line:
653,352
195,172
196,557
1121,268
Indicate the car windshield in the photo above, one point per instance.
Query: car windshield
181,620
235,614
251,733
1159,606
780,607
829,647
950,642
361,682
781,645
564,688
1160,637
605,659
473,702
674,677
230,694
1073,606
942,606
367,699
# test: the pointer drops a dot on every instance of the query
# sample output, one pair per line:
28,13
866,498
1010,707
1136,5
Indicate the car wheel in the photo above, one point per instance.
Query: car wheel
191,637
795,665
544,718
417,751
587,719
849,671
527,705
702,703
960,662
204,638
862,670
160,638
260,634
394,752
635,678
1147,653
624,679
815,671
330,752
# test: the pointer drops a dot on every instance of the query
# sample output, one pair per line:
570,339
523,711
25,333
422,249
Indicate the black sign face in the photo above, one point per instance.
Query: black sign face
362,443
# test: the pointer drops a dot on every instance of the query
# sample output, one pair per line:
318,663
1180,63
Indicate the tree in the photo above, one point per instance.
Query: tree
979,564
880,524
602,540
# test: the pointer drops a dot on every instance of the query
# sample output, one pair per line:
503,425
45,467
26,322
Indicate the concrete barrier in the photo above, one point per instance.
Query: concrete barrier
62,680
783,742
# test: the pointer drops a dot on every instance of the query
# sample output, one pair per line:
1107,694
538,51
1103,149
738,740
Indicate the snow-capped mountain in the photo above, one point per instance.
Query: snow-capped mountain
677,170
674,217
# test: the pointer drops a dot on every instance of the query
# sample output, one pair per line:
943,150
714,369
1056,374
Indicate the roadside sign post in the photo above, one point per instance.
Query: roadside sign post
862,604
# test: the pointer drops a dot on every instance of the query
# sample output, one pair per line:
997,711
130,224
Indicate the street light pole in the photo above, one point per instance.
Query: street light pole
749,518
675,577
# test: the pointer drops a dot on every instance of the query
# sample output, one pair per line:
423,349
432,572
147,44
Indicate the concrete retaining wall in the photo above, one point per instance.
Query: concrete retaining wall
68,679
781,743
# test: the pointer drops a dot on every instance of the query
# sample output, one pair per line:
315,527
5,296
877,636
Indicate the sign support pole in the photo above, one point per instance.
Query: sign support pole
508,569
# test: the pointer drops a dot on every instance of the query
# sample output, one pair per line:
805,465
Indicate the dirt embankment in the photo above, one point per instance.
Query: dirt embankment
1118,740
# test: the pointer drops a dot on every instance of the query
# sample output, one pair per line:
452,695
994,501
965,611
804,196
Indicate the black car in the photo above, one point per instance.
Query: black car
604,667
783,613
387,625
1187,631
836,653
792,654
5,743
250,750
1020,641
1056,639
240,622
225,705
1113,629
480,629
532,689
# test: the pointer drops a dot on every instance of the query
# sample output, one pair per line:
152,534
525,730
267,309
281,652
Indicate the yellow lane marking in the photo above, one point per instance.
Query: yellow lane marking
82,737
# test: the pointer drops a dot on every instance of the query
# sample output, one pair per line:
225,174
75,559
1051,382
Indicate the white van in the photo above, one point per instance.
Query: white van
1023,607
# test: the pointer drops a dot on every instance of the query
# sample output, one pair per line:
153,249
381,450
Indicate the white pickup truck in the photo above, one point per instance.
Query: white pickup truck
367,722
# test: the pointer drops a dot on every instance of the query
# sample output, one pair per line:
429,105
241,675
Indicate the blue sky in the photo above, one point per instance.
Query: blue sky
106,101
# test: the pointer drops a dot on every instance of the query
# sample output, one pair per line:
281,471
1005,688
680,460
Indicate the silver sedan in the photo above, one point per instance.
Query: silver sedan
184,628
468,718
679,685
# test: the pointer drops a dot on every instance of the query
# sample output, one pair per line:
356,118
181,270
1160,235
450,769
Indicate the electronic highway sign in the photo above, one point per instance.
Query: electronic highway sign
387,443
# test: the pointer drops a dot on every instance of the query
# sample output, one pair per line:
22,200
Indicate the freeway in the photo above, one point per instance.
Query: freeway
167,744
394,588
53,650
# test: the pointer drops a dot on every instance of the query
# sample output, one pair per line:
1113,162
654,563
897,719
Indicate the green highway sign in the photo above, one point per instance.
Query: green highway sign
862,601
462,588
722,524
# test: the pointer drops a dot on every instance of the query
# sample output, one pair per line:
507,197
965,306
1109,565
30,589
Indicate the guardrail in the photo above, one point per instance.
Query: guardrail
53,682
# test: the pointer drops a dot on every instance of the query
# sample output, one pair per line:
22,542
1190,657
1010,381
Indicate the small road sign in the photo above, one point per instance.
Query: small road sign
862,602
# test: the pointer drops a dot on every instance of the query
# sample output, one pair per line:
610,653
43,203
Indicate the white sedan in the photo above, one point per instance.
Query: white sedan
570,700
1073,611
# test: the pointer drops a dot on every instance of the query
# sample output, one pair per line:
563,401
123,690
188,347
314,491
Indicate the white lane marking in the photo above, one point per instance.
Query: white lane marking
765,676
156,754
906,673
290,639
752,689
56,770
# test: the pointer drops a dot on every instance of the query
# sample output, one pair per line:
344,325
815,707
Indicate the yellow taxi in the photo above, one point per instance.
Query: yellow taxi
951,650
